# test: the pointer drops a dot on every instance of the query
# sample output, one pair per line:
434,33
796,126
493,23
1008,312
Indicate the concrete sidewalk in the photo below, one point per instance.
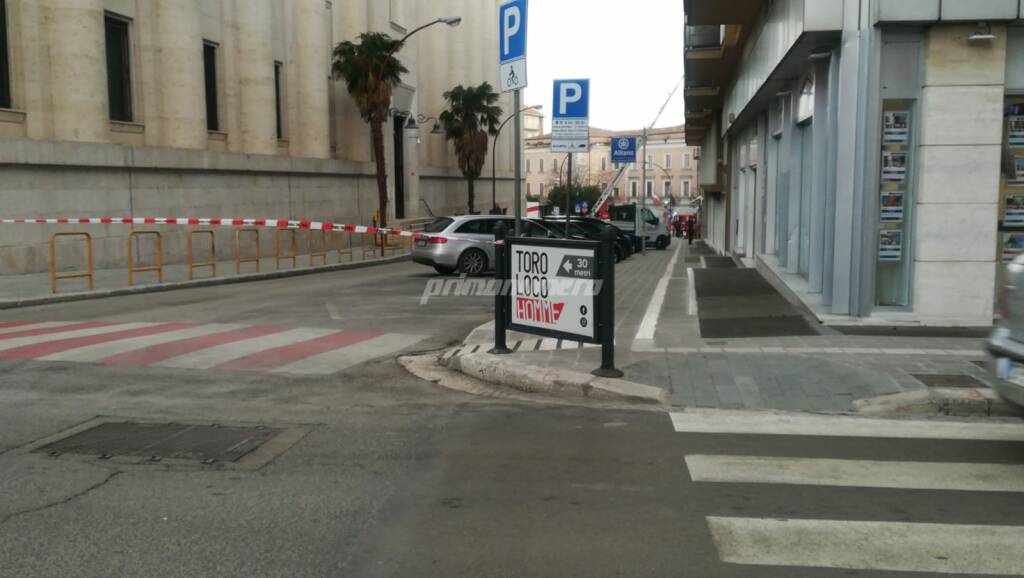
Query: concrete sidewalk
661,344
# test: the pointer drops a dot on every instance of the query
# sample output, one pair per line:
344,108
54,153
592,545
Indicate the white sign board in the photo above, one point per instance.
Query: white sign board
512,45
553,289
570,118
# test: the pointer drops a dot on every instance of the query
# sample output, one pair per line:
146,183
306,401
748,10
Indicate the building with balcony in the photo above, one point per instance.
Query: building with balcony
222,108
672,170
866,155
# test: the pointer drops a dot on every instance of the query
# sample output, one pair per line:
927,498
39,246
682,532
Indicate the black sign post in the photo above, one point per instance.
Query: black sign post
529,301
606,305
501,281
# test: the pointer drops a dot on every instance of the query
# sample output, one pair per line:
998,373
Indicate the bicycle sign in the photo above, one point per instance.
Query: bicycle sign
512,45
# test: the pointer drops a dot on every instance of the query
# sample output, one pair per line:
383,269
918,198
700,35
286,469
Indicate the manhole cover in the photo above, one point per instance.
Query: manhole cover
204,443
947,380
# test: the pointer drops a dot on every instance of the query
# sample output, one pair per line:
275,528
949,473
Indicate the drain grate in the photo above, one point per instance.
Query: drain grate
203,443
947,380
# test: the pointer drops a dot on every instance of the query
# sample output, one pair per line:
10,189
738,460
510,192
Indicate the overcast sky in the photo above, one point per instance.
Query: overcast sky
632,51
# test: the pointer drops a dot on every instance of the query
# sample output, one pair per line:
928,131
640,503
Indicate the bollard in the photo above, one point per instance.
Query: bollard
212,263
54,277
500,280
322,253
606,310
351,249
294,257
158,268
238,250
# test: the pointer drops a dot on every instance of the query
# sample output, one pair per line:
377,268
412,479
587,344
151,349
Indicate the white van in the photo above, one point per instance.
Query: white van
627,219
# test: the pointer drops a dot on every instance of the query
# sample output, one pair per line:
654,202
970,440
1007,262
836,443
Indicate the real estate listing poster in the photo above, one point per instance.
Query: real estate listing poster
891,207
1018,172
894,166
896,129
1013,245
890,245
1015,131
1014,214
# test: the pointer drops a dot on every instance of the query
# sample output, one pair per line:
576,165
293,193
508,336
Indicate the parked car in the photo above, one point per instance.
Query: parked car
591,228
465,243
1006,344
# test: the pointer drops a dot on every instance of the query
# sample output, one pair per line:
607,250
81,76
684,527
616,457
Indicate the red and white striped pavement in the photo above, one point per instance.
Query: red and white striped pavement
204,346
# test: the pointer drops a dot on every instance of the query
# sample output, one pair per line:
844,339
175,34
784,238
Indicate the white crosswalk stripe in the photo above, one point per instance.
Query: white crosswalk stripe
892,546
334,361
37,339
92,353
212,356
877,545
857,473
780,423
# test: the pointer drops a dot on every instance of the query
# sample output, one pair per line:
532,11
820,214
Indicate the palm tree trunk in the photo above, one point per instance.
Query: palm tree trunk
471,182
377,136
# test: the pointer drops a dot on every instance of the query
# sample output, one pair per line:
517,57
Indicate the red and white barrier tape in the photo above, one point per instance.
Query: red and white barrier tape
269,223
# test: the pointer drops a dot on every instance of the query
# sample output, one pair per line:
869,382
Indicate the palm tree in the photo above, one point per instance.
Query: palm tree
470,117
371,71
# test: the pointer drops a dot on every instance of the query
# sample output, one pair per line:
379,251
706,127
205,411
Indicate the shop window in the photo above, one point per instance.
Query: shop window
210,75
895,204
119,68
278,96
5,65
1011,190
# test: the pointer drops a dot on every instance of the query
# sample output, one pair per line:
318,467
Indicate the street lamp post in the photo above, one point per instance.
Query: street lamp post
449,20
494,158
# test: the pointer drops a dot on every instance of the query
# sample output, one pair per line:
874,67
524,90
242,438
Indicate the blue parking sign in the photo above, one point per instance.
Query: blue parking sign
570,119
624,149
512,45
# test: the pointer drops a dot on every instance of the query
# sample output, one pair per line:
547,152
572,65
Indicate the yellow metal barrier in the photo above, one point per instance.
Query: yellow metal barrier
238,250
362,244
322,253
212,263
54,277
158,268
294,257
350,251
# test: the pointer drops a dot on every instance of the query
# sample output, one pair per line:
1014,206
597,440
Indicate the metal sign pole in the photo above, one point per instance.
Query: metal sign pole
517,168
643,198
568,196
500,274
606,307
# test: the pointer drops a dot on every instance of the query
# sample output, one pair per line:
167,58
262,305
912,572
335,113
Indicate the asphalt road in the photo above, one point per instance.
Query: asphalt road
390,475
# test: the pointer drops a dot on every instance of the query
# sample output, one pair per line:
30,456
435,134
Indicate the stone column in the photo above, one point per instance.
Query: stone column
78,70
182,109
957,205
257,99
310,39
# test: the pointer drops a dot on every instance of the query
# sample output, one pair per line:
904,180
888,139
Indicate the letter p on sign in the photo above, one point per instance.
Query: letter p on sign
512,20
570,92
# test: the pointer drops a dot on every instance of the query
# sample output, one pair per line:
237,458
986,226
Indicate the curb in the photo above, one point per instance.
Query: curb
211,282
959,402
498,370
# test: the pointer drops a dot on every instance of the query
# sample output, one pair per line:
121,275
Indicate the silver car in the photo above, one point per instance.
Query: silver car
1006,345
465,243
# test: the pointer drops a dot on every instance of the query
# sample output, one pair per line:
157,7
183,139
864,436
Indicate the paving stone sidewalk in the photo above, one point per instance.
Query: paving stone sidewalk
825,372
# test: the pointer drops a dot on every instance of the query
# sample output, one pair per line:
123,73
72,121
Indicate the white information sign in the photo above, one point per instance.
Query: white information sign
512,45
553,289
570,119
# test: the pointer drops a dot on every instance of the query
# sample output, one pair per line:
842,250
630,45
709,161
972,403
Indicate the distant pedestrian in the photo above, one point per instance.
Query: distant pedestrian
690,230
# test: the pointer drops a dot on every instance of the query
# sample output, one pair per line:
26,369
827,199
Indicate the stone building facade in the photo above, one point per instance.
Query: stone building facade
673,170
222,108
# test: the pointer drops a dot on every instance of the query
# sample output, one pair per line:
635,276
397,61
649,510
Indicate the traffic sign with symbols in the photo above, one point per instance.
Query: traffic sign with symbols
570,119
512,45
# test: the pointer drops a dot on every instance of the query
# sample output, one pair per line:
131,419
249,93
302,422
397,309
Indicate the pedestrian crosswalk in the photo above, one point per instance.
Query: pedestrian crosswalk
843,541
203,346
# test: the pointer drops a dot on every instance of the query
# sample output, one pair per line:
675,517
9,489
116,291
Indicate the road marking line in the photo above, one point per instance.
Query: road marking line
125,331
157,351
856,473
278,357
345,357
650,320
25,336
207,358
691,293
889,546
99,351
19,326
779,423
